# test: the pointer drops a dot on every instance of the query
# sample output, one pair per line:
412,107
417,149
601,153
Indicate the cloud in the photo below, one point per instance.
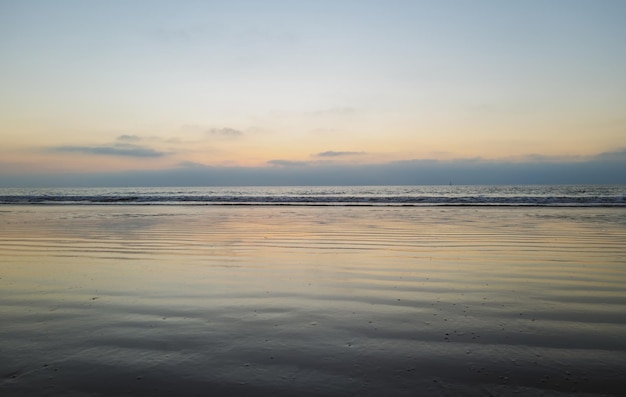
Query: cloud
226,132
615,155
119,149
128,138
288,163
190,164
536,157
331,153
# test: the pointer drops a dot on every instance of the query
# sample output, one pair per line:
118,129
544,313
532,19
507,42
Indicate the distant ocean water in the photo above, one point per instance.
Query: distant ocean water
522,195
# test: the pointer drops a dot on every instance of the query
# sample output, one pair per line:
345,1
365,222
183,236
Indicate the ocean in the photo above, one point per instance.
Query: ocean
313,291
540,195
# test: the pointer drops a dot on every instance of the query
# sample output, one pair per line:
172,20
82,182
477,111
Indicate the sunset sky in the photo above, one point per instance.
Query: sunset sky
252,89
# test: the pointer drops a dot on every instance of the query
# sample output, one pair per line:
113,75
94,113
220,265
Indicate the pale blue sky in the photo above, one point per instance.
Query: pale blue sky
390,80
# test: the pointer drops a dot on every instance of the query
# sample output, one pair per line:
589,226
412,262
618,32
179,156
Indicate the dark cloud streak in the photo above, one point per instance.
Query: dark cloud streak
288,163
124,150
332,153
129,138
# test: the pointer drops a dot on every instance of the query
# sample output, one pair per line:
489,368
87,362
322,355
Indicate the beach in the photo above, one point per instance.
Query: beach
196,300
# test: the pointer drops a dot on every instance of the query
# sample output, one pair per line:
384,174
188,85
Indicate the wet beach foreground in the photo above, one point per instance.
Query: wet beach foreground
191,300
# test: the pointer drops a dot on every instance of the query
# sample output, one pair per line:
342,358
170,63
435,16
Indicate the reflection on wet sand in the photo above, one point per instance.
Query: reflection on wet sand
194,300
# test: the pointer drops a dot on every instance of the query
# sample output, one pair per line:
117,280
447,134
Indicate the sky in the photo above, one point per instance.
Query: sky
312,92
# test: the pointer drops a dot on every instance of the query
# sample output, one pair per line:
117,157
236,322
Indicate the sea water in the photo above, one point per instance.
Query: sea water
540,195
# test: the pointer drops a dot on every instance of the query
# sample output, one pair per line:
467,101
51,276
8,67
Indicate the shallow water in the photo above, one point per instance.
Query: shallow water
197,300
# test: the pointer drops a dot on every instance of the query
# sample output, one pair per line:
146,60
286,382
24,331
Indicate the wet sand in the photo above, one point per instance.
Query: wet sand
311,301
